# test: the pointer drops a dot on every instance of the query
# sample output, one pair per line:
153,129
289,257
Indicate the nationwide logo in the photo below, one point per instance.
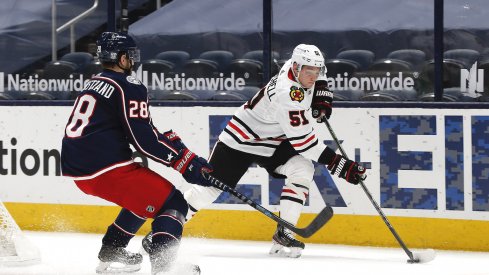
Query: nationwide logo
472,81
13,82
34,83
368,83
178,82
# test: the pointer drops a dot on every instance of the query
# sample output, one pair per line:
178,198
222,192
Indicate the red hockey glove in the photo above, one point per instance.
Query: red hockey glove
322,101
192,167
347,169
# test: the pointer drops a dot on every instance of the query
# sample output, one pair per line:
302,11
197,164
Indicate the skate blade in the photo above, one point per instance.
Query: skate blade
281,251
114,267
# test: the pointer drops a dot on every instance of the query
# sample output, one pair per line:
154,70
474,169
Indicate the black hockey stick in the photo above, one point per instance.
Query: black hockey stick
319,221
413,258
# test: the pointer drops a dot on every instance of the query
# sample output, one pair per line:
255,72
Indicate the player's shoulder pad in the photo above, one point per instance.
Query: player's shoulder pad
133,80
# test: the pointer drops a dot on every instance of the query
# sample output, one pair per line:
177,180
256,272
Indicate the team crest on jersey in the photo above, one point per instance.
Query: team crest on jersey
296,94
133,80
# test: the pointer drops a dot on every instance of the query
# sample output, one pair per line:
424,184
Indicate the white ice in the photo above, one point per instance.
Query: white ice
74,253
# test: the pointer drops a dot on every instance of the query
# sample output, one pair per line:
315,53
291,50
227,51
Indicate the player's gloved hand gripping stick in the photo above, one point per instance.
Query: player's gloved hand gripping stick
319,221
419,257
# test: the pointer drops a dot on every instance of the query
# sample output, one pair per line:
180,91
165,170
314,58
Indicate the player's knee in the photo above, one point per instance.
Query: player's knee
298,168
176,202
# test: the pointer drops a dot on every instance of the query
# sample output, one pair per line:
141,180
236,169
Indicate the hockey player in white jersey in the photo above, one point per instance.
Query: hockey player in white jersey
273,131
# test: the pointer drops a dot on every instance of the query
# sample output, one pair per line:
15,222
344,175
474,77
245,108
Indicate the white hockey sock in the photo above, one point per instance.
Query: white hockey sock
290,210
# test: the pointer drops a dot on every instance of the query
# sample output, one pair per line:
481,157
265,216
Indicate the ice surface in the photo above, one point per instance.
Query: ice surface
73,253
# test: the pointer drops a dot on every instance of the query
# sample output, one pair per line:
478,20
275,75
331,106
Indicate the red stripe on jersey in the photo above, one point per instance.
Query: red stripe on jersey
238,130
288,191
302,143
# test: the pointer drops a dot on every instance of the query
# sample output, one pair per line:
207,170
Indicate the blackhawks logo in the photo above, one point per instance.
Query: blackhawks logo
296,94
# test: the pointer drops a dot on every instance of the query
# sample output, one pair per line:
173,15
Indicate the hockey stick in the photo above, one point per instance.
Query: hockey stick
319,221
428,255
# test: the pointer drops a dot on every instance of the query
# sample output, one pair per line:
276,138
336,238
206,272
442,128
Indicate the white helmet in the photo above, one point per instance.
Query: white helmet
308,55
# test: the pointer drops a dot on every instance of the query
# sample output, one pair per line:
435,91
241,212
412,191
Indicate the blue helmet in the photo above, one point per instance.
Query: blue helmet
110,44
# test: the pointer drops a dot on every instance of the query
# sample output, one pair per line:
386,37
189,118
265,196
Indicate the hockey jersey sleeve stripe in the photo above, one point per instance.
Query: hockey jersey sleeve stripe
299,137
246,127
231,124
309,147
288,191
136,143
304,142
248,143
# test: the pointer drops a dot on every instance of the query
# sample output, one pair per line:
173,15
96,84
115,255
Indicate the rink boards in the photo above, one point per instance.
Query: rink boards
428,169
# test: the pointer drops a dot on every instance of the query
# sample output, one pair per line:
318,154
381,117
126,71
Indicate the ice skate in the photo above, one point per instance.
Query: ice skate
285,245
146,244
118,260
162,259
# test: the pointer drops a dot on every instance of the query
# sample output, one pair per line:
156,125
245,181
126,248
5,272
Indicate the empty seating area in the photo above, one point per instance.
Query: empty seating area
221,75
406,75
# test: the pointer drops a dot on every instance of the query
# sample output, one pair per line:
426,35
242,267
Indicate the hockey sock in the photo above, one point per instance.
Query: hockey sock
291,202
168,223
123,229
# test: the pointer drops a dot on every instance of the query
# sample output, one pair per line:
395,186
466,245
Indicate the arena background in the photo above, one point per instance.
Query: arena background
422,134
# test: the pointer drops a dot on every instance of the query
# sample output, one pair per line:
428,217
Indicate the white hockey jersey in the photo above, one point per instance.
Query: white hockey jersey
276,113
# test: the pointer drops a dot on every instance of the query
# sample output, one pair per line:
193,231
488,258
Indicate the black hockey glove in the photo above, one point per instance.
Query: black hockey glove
322,101
175,140
192,167
347,169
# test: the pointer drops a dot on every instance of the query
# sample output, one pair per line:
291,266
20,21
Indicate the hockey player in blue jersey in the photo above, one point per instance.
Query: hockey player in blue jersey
109,114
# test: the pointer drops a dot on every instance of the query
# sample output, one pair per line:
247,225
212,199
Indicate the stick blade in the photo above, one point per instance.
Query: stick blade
321,219
424,256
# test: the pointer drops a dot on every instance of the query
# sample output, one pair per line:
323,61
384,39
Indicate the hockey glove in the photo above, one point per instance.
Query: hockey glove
322,101
175,140
347,169
192,167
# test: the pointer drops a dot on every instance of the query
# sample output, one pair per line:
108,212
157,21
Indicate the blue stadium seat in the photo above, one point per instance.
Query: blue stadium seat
363,57
158,67
42,96
201,68
6,96
348,95
178,58
222,58
337,67
467,56
81,59
228,96
92,68
247,91
390,65
451,75
156,94
415,57
258,55
189,95
59,69
391,95
250,70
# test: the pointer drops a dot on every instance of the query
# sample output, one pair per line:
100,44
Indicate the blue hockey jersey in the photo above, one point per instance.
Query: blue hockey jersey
110,113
